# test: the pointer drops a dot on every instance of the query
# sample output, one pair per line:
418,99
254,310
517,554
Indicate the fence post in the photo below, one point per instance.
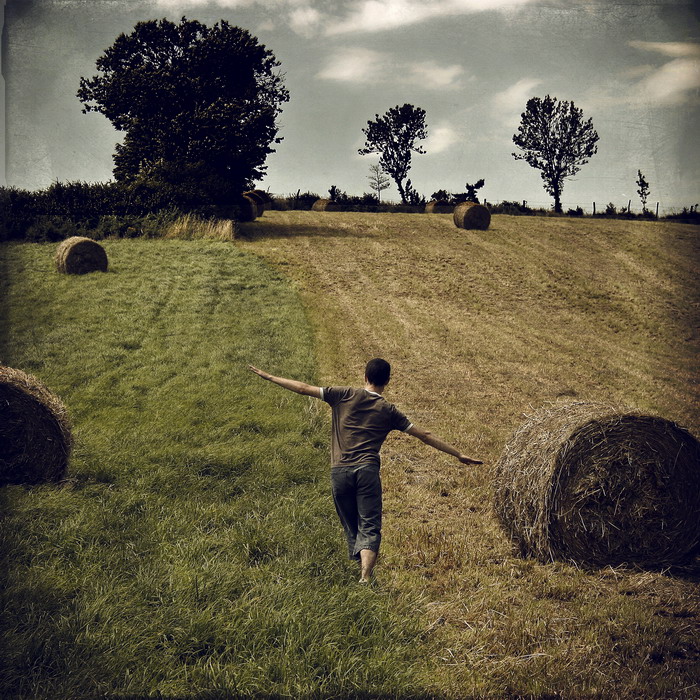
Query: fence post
593,208
657,210
629,207
524,204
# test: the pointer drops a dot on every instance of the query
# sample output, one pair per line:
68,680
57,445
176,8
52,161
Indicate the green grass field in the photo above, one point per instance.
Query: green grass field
194,550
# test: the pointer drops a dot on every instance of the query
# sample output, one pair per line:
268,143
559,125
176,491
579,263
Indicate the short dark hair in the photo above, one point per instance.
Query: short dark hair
378,372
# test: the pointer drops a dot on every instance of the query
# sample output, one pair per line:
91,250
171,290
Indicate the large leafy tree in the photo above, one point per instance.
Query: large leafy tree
555,138
394,136
194,102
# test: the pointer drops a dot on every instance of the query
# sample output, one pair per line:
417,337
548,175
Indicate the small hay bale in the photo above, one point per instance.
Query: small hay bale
472,215
599,486
325,205
35,434
258,199
438,206
78,255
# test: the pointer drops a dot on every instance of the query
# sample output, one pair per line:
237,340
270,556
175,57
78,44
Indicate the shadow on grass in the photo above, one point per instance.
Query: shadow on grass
323,227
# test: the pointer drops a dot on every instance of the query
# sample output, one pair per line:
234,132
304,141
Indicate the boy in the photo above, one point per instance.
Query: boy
362,418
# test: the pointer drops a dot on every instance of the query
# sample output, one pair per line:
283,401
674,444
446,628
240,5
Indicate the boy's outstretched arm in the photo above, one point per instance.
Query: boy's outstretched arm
290,384
434,441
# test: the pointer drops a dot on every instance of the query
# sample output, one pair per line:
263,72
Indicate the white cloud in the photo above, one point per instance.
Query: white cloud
636,72
674,81
199,3
355,65
382,15
366,66
511,101
674,49
304,20
440,138
430,74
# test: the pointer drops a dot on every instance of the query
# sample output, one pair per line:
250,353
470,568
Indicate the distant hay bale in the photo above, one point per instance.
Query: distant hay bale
599,486
247,208
259,200
78,255
35,434
472,215
325,205
438,206
266,198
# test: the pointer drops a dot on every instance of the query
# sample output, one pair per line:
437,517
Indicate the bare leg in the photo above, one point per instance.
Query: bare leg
368,558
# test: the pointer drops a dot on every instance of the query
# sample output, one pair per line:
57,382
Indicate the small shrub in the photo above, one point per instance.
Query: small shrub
575,212
507,207
441,196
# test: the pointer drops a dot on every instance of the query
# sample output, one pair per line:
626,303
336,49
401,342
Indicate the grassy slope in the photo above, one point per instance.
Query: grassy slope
195,547
483,327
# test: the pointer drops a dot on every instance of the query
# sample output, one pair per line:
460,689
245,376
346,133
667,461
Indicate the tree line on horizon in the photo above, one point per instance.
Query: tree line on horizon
199,108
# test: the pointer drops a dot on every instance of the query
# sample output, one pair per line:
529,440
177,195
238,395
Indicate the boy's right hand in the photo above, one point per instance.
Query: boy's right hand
468,460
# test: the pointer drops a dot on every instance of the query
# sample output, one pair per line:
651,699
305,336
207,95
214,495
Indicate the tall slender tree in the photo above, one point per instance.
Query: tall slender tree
394,136
553,137
643,190
378,182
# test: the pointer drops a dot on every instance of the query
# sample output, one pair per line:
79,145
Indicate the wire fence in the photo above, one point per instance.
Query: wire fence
591,208
659,208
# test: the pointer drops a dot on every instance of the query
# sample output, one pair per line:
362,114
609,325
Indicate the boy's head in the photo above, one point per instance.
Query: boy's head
378,372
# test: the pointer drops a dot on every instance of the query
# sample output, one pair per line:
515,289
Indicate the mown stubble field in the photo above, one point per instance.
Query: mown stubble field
482,328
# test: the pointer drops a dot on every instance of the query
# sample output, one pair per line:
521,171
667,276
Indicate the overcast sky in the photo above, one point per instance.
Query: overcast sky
633,66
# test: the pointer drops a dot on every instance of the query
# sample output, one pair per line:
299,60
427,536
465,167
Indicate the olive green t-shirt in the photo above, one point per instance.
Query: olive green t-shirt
361,421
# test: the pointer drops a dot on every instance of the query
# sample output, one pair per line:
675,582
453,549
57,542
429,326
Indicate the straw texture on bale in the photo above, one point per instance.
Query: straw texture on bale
247,208
600,486
438,206
258,199
266,199
78,255
472,215
325,205
35,434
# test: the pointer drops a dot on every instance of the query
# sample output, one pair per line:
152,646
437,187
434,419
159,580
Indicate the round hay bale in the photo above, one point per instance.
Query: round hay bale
258,199
267,200
599,486
35,434
325,205
472,215
78,255
438,206
247,208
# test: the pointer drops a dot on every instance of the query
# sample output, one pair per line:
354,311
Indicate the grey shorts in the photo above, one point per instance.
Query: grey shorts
357,493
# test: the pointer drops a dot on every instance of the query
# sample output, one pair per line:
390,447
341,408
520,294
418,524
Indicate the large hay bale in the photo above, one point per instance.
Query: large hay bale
325,205
587,483
78,255
472,215
438,206
258,199
35,435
